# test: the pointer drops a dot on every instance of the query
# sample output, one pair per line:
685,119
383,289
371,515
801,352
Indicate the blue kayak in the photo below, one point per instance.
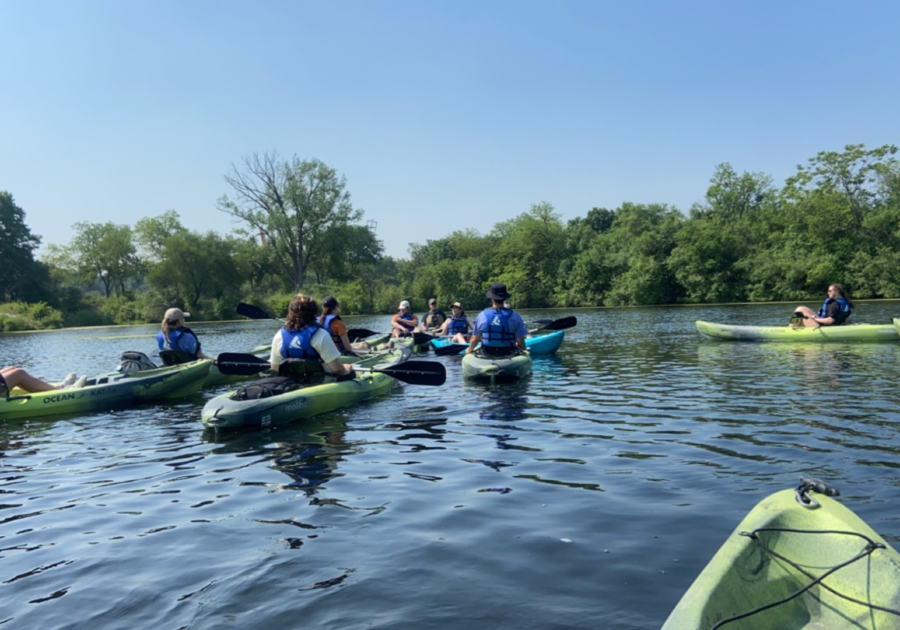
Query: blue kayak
540,344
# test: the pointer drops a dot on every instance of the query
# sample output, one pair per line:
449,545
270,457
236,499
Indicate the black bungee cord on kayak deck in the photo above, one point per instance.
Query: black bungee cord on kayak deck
807,484
870,547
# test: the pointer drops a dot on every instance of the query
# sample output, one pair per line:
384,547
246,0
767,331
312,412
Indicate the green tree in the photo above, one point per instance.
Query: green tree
638,245
529,251
105,252
151,234
17,245
712,243
293,205
196,268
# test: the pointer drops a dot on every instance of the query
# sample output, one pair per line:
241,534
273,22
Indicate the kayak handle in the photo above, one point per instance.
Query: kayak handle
811,484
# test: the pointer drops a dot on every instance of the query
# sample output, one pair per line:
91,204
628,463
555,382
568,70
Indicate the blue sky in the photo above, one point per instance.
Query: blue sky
441,115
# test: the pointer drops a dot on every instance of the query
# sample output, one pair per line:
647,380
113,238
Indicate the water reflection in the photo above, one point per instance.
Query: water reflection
308,453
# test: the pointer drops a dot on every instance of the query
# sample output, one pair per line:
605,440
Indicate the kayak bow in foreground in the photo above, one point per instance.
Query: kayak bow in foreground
796,561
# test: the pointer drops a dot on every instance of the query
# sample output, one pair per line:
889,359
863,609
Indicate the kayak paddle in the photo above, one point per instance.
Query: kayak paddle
562,323
451,349
253,312
412,372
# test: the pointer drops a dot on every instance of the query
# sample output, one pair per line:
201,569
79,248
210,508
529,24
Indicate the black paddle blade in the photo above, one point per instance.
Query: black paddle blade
253,312
417,372
360,333
451,349
561,324
240,364
420,338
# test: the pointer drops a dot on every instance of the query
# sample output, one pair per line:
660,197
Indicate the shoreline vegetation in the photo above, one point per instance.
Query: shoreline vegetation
836,220
566,309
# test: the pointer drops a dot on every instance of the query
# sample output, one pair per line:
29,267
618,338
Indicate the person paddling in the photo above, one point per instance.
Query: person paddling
458,326
176,336
303,338
334,326
499,330
404,322
11,377
834,312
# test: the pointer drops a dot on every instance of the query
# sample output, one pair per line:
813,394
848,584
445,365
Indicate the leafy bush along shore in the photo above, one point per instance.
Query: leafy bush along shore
17,316
836,220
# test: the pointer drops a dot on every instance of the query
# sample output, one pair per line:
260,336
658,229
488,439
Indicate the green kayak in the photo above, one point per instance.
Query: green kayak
792,564
113,390
480,366
849,333
227,411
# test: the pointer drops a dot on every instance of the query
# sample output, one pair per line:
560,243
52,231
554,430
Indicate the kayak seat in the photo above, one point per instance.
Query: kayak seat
175,357
266,388
303,371
4,389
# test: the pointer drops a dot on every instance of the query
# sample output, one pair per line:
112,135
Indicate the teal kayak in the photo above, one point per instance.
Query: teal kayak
798,560
538,344
512,367
113,390
228,412
848,333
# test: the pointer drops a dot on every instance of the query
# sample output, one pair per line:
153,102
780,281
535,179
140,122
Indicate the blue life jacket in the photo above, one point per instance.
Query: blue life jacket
327,326
179,340
296,344
842,314
407,317
457,326
496,332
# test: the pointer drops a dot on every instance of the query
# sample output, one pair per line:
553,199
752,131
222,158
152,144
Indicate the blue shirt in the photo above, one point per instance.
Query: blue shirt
514,322
181,338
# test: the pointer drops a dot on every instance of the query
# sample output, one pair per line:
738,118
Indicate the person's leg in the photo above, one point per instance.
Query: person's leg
807,314
17,377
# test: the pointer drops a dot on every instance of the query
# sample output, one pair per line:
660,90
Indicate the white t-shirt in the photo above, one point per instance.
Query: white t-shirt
321,341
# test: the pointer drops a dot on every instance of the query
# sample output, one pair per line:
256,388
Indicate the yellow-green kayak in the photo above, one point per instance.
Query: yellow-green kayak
113,390
848,333
778,570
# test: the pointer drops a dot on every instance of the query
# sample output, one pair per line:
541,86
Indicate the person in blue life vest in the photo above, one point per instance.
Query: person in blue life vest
434,318
834,312
458,326
176,336
303,338
331,321
11,377
404,322
499,329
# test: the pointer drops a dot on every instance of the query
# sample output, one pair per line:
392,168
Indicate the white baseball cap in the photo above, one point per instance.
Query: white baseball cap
404,304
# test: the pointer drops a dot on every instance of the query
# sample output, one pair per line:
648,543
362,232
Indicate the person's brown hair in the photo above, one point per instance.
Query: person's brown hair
301,312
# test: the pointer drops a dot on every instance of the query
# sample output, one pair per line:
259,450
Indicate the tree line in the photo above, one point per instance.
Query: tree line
837,219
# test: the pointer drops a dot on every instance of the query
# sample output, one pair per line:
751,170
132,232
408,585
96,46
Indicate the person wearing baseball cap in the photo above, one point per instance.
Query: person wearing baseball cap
458,325
176,336
499,329
434,318
404,322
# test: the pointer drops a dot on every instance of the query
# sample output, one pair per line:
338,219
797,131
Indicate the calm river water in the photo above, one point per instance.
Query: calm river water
588,496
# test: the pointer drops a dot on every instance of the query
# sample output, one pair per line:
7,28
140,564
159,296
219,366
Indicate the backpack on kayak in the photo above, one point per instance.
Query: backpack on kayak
292,374
266,388
132,361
